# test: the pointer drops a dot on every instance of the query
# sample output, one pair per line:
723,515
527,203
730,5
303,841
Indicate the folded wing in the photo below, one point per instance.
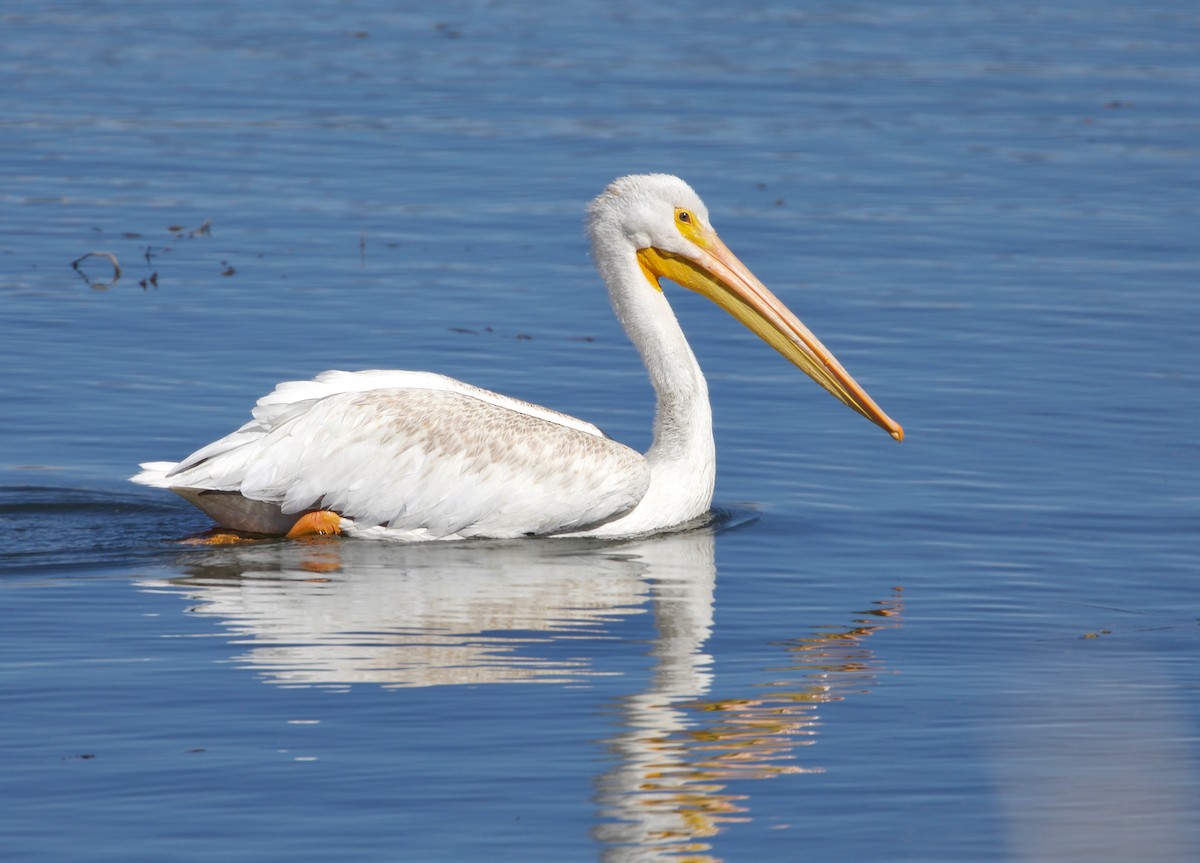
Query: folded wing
438,459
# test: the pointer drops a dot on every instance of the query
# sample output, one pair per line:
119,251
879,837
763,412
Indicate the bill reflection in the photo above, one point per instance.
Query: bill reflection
678,751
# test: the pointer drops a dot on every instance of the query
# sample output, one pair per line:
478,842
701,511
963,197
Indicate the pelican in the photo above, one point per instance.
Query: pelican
419,456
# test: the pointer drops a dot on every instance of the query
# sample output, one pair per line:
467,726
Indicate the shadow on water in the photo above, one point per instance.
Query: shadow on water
338,613
54,529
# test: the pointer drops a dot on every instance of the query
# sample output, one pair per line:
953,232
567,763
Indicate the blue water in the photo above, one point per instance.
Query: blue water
980,644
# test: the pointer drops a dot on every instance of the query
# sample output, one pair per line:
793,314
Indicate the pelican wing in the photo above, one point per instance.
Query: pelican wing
439,459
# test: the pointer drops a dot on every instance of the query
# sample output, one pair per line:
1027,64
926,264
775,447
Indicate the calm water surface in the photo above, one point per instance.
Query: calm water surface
981,644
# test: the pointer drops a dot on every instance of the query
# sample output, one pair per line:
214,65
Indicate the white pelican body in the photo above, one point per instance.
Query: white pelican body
413,455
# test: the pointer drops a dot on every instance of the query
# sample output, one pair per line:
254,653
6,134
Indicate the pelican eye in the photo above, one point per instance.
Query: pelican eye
690,227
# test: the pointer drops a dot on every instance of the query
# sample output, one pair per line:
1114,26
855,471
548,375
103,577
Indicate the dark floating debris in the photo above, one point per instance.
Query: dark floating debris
99,286
205,230
150,252
520,337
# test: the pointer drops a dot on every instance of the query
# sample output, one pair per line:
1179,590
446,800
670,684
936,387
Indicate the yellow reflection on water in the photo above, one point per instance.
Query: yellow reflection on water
668,791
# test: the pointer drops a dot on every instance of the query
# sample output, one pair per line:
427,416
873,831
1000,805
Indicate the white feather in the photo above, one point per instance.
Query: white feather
430,460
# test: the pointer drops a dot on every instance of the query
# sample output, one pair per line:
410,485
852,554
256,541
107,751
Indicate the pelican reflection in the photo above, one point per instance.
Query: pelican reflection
334,613
338,613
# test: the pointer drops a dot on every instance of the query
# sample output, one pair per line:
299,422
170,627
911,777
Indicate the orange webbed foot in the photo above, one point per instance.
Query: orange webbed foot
222,536
321,522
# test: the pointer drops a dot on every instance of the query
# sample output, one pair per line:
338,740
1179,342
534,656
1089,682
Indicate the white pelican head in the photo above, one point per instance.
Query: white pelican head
665,225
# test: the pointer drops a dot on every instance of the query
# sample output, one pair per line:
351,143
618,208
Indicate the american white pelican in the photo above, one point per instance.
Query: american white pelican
416,456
